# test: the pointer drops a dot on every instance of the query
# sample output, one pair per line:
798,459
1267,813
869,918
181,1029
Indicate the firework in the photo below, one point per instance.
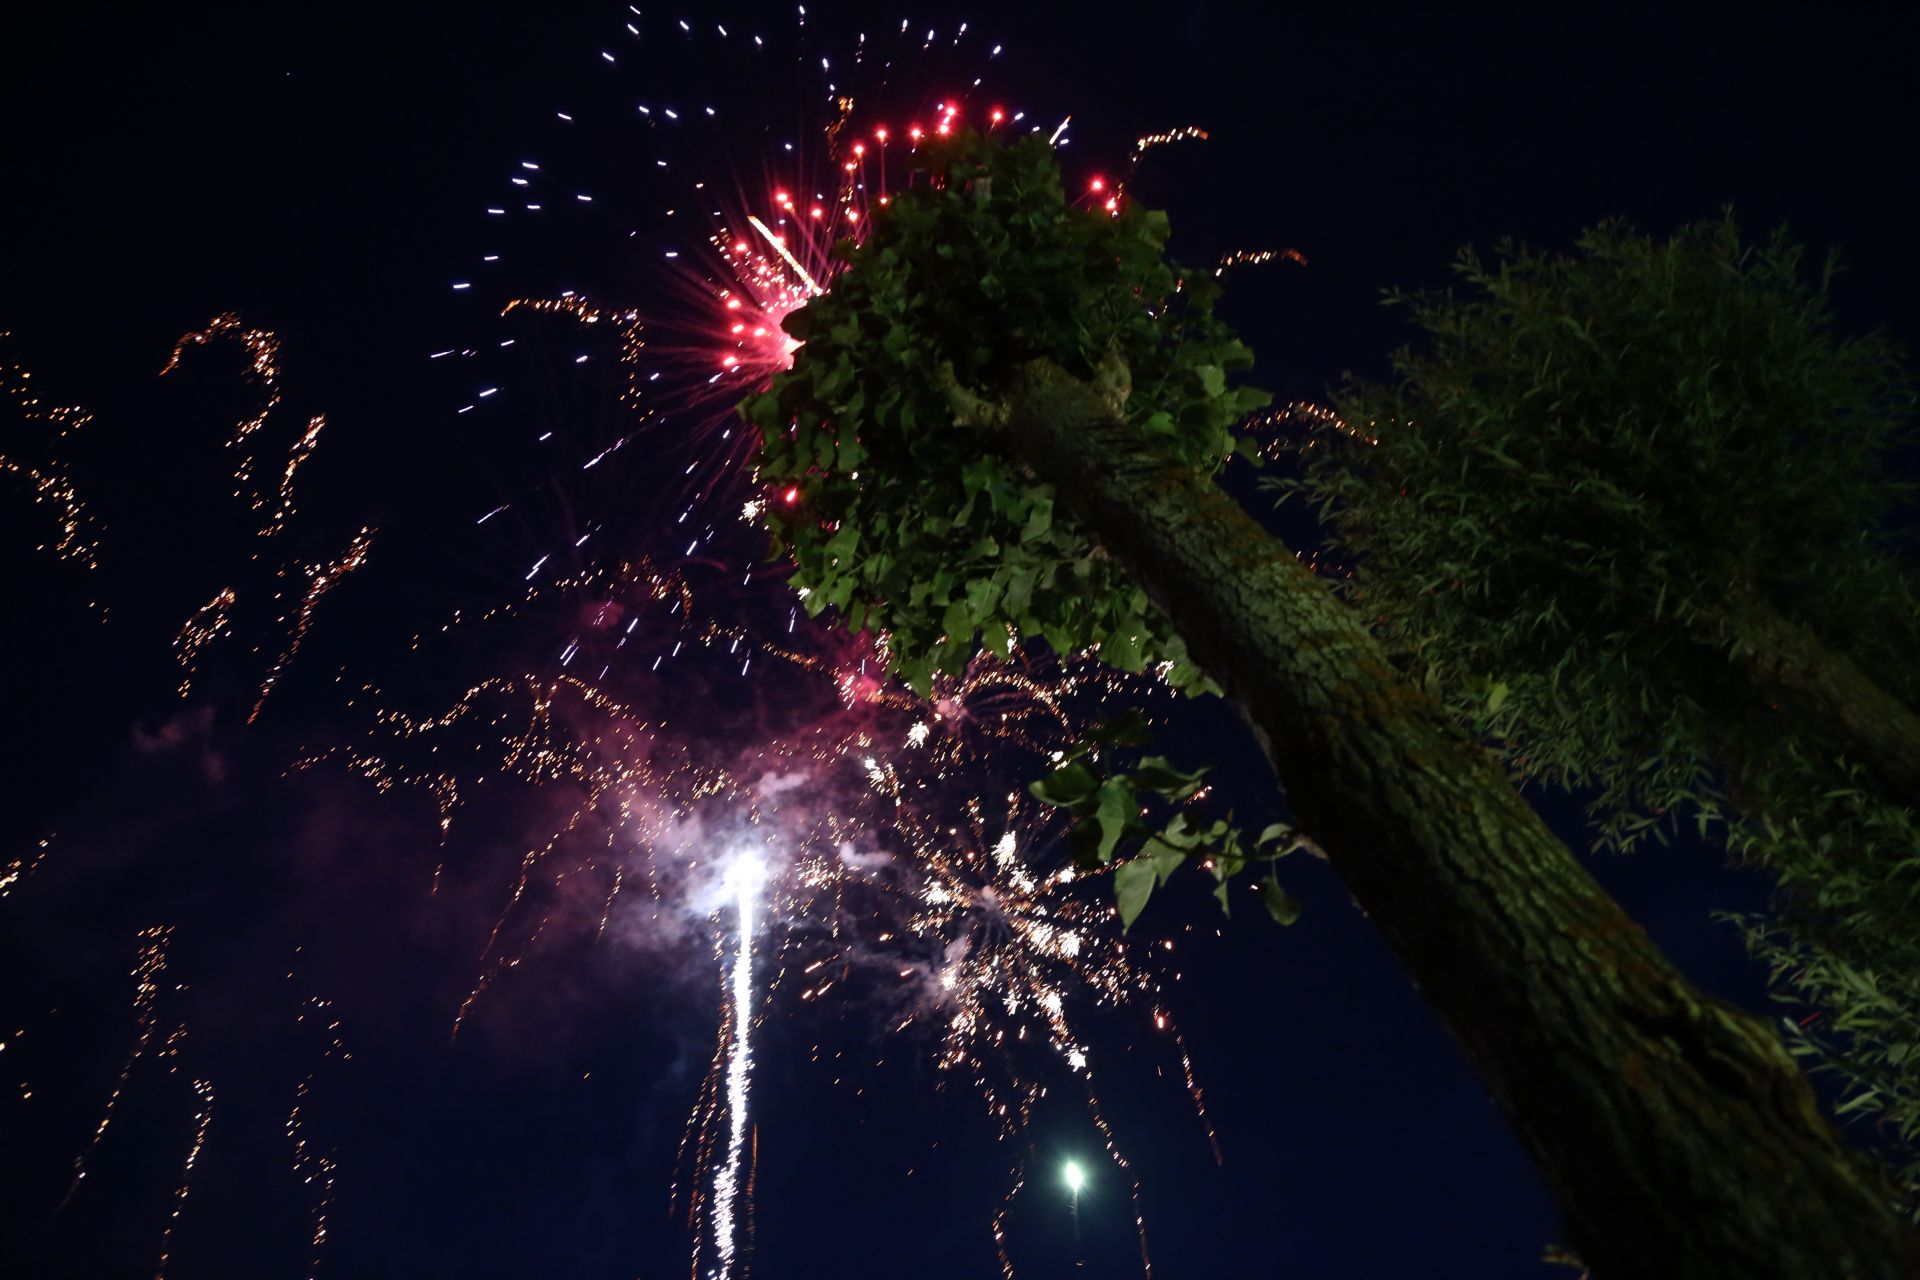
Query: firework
711,754
19,869
262,348
321,578
1008,943
744,881
47,431
731,257
1256,257
202,1120
146,991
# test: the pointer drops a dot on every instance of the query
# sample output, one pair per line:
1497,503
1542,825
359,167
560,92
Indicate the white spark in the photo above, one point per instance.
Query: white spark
743,883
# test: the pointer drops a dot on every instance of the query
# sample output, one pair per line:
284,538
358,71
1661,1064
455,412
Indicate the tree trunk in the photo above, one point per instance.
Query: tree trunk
1676,1132
1797,671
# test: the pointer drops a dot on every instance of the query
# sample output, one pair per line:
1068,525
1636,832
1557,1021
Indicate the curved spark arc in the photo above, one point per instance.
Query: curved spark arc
77,531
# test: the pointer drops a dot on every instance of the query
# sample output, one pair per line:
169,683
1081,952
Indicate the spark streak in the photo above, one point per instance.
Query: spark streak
744,881
77,533
786,255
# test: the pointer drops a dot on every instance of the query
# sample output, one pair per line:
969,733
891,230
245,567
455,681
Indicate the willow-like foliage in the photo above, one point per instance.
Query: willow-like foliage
1633,511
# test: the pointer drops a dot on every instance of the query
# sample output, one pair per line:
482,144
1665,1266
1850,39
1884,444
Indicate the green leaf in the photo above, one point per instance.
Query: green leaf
1164,859
958,623
1157,774
1273,833
1279,903
982,595
1115,815
1248,400
1178,834
1125,647
851,454
1066,786
1039,521
1133,883
1018,595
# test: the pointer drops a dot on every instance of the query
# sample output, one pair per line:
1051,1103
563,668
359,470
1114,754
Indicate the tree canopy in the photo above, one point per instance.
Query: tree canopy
917,530
1631,511
1005,420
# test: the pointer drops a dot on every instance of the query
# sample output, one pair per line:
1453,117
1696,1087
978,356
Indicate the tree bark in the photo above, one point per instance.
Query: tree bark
1797,671
1676,1132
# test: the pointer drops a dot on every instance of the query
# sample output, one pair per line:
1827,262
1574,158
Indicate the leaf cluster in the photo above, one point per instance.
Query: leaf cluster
1841,946
905,521
1592,463
1115,810
1562,511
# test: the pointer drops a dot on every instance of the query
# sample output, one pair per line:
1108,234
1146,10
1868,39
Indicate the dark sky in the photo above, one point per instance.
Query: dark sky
321,171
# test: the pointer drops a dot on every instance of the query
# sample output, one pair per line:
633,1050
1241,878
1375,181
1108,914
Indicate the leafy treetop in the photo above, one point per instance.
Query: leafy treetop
1572,502
933,532
1605,482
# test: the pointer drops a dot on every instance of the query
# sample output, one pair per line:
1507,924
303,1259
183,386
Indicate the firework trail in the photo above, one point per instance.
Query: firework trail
18,870
732,256
1019,942
36,452
264,486
643,666
262,348
743,884
202,1121
248,441
321,578
146,992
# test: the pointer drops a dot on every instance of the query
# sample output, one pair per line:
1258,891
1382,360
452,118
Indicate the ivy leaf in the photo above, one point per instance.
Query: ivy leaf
851,454
1039,521
843,543
982,595
1018,596
1125,648
958,623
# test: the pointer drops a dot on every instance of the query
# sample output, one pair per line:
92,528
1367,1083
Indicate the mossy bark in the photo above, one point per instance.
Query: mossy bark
1677,1133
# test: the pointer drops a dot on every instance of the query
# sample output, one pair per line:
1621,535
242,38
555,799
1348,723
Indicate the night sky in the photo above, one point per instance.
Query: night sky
322,172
